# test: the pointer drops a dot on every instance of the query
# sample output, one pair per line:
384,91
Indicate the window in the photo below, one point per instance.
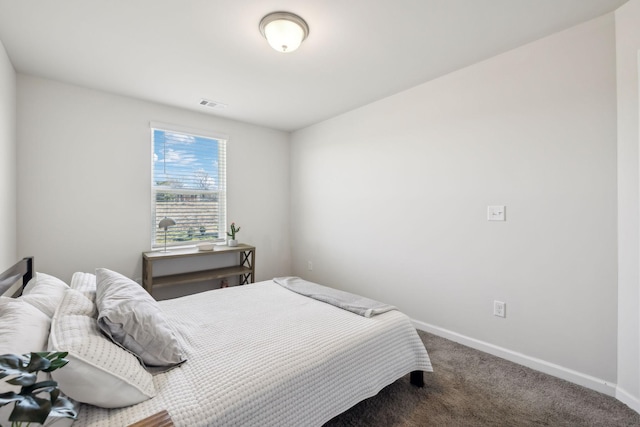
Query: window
189,185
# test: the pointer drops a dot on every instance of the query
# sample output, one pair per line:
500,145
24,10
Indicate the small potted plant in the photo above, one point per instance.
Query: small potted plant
232,234
36,401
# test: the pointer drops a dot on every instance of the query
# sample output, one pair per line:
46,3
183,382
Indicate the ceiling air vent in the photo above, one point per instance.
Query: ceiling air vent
213,104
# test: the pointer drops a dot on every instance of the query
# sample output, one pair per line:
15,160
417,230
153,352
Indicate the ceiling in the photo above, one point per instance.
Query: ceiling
176,52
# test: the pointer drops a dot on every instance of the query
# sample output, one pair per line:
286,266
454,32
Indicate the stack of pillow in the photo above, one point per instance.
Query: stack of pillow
24,328
25,321
114,331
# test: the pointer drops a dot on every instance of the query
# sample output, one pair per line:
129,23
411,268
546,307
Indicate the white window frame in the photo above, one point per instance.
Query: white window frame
220,191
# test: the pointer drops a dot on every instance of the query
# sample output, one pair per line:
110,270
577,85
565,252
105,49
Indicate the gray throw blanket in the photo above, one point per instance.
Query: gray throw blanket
354,303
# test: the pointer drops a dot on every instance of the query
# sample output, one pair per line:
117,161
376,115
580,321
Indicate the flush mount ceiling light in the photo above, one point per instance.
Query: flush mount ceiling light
284,31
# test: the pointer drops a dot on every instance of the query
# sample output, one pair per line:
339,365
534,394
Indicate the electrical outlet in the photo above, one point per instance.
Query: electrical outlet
499,309
309,265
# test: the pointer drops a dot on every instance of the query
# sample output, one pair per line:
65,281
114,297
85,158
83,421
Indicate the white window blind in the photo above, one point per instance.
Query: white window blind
189,185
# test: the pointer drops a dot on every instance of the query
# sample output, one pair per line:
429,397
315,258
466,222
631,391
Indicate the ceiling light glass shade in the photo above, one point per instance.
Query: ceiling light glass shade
284,31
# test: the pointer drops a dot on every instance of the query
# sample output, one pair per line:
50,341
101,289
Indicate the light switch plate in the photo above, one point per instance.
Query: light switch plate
496,213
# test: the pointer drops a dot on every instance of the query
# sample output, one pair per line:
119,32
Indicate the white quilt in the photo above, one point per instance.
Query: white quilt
261,355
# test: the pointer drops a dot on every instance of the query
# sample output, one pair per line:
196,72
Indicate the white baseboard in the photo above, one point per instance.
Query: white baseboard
567,374
629,400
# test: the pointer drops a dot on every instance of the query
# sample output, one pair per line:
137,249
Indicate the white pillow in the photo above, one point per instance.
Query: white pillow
132,318
84,283
23,328
99,372
44,292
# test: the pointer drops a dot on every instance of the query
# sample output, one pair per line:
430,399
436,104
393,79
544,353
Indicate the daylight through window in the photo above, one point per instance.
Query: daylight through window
188,185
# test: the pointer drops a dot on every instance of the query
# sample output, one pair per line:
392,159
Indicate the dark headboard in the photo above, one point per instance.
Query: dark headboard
20,271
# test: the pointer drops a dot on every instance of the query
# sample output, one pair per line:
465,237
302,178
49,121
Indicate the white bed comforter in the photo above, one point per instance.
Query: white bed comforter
261,355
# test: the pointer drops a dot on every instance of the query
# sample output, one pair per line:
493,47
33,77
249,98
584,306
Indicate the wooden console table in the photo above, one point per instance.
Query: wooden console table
244,269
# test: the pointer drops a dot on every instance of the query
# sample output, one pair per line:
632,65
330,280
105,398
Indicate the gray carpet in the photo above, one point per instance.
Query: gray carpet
472,388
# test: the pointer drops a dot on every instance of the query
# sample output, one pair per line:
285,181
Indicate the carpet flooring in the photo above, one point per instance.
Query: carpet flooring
470,388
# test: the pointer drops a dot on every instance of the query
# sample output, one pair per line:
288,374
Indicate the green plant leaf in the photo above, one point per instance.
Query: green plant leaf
57,359
22,370
41,387
16,366
55,394
63,408
38,363
9,363
8,397
12,361
23,379
31,409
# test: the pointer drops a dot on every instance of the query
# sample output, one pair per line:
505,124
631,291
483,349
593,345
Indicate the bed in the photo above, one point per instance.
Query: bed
256,354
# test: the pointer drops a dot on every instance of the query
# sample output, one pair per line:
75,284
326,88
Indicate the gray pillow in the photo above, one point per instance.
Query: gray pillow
132,318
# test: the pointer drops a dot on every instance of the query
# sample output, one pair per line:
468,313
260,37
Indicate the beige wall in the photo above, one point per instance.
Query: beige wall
627,47
8,173
84,170
390,201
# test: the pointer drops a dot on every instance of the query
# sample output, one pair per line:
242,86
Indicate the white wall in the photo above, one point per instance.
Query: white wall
84,173
8,173
390,201
627,47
